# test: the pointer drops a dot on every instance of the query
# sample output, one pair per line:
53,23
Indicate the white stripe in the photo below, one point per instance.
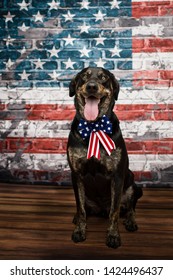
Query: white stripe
98,149
46,129
152,61
147,129
102,141
155,29
54,129
93,145
110,144
145,96
58,162
36,96
53,96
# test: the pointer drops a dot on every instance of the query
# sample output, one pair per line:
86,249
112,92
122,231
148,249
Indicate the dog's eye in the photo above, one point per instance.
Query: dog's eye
102,77
86,75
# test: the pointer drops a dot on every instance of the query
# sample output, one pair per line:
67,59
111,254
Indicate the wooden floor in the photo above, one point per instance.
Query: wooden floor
36,223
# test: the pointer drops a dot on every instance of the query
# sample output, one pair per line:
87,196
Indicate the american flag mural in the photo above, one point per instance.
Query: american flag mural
44,43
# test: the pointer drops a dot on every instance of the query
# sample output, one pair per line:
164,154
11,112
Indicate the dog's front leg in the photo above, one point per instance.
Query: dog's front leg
79,233
113,237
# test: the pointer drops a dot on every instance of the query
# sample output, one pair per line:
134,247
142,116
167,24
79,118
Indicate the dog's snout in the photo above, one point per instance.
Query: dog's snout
92,87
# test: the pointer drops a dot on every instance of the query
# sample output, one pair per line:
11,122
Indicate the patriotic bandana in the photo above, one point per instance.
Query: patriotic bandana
97,131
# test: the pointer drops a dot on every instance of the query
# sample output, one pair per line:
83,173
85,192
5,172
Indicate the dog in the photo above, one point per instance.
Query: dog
102,182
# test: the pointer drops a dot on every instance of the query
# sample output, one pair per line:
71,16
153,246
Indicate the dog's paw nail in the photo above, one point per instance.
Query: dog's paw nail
113,241
78,236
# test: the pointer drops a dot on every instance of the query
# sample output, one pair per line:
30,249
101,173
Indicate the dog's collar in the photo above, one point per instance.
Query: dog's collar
97,131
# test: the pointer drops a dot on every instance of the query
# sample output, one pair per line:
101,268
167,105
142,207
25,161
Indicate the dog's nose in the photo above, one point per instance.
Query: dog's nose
92,87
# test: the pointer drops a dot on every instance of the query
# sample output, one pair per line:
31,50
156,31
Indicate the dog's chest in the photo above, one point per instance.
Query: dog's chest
79,163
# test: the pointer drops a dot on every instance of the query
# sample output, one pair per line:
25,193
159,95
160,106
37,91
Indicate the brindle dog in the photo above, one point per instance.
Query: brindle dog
102,186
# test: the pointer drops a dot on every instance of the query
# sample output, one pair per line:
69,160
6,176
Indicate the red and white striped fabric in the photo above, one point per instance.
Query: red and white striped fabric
94,144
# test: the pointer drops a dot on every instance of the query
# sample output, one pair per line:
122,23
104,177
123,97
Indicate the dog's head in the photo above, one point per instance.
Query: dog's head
95,90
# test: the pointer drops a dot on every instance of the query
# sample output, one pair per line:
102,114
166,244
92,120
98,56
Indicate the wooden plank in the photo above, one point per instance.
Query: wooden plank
36,223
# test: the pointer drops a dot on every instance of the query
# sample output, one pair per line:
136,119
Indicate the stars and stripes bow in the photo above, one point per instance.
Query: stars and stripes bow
98,132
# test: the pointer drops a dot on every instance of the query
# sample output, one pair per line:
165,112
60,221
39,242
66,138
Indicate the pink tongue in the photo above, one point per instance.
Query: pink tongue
91,110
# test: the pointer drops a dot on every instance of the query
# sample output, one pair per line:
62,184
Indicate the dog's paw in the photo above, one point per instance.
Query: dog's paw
78,235
130,225
113,241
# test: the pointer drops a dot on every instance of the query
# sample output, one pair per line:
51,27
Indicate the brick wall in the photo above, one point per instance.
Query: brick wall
43,44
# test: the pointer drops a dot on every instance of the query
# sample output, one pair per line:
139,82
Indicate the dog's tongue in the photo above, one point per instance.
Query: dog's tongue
91,110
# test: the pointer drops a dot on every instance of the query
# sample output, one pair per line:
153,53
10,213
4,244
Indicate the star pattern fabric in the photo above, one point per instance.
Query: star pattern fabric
85,128
97,132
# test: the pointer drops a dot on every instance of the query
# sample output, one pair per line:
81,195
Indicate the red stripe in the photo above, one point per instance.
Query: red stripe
2,106
155,77
146,176
152,45
104,141
152,83
164,146
58,145
40,111
156,112
154,74
123,111
50,112
34,145
151,8
107,140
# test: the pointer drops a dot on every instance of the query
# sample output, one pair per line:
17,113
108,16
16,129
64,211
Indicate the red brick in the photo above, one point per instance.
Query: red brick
166,74
141,11
159,43
166,10
137,44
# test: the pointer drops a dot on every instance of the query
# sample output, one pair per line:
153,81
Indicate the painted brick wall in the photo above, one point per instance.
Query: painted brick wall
44,43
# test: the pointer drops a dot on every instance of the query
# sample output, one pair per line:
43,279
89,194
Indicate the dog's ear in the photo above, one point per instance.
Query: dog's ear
115,86
72,87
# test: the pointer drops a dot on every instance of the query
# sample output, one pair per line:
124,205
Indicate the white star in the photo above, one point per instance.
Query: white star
9,63
9,17
23,50
99,16
100,63
23,27
23,5
53,5
39,64
24,75
84,4
9,40
115,4
100,40
84,28
69,40
54,52
84,52
54,75
69,64
38,17
69,16
116,51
